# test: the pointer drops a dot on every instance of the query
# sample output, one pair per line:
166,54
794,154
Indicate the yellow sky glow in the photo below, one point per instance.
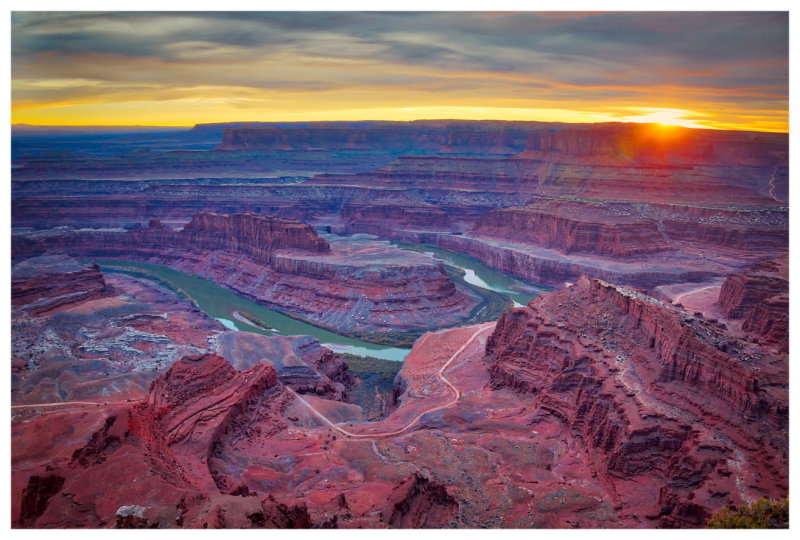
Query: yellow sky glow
188,112
720,71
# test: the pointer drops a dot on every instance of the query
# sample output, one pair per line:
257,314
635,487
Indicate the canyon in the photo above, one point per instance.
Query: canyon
594,405
647,387
348,284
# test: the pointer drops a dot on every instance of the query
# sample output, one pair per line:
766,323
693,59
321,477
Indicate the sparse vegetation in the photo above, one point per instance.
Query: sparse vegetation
376,381
760,514
368,364
254,320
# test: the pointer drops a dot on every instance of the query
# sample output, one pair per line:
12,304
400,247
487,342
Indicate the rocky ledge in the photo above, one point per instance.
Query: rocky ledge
659,396
53,282
760,296
350,284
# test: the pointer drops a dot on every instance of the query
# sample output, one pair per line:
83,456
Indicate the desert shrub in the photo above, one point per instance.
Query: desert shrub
760,514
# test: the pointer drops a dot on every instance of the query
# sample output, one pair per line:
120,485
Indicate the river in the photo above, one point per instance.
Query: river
479,274
221,304
224,305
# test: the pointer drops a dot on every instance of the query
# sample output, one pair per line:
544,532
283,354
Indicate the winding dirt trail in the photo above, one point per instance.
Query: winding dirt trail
316,412
772,185
440,374
64,403
677,299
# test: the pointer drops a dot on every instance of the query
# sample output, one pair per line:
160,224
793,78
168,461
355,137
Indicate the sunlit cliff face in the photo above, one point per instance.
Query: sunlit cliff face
711,70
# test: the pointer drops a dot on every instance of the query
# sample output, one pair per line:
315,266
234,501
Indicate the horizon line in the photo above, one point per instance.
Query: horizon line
189,126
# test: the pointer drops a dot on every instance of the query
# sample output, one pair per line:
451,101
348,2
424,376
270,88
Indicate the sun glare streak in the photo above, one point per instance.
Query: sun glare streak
666,117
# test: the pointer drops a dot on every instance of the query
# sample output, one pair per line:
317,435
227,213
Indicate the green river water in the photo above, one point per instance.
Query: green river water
477,273
221,304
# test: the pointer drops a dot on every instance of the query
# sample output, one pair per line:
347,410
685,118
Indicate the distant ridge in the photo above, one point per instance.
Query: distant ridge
31,129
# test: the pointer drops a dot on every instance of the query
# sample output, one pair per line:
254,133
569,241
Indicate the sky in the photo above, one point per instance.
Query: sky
724,70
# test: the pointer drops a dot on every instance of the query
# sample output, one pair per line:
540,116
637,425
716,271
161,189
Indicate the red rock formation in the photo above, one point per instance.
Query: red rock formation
640,244
249,234
612,437
110,346
301,362
627,162
445,136
551,267
152,464
63,205
194,403
760,296
741,293
769,321
242,234
645,385
418,503
53,282
36,496
384,219
575,227
360,284
654,144
432,173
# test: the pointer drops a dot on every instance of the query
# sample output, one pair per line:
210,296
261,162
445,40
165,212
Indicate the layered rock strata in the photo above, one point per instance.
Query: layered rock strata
654,144
148,465
760,296
595,407
741,293
53,282
359,284
658,396
572,227
422,136
630,162
110,336
620,230
301,362
194,403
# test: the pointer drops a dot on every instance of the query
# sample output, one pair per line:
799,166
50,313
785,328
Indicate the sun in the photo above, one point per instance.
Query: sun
664,117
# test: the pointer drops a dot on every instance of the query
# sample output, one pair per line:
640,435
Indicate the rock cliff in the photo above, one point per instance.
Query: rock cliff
422,136
301,362
418,503
760,296
250,234
357,284
741,293
52,282
575,227
654,144
646,385
194,403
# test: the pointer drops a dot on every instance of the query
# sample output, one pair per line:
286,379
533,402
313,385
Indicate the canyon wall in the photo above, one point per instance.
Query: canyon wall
428,136
645,385
356,285
626,231
760,296
249,234
572,227
668,145
553,268
54,282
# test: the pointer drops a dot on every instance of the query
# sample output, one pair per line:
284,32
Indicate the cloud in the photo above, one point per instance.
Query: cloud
546,56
